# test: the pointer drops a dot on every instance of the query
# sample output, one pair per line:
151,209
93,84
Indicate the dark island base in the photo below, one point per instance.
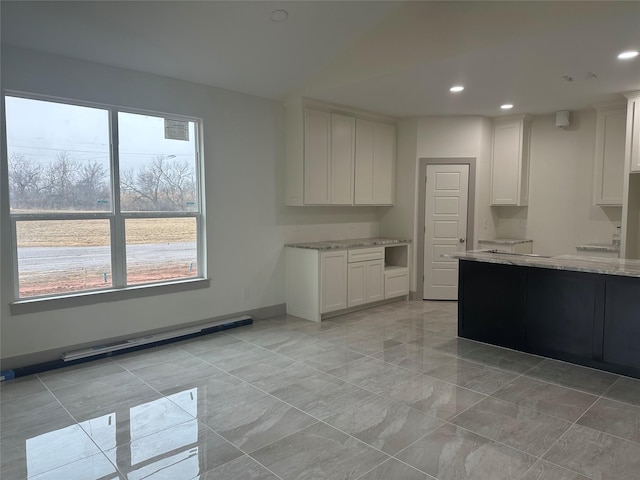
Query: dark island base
584,318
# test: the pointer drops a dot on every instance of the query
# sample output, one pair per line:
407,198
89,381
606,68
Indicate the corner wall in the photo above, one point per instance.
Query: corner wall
247,222
561,214
438,137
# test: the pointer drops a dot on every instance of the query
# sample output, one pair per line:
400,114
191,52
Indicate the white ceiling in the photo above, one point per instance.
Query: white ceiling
397,58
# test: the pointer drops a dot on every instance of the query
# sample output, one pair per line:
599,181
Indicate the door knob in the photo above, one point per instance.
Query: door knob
462,240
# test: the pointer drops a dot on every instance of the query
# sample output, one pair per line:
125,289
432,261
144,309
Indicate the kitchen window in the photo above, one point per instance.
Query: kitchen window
101,198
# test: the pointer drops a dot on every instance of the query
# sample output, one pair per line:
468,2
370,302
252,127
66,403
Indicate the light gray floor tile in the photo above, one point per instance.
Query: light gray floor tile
319,452
249,358
322,395
274,372
183,451
473,376
596,454
392,469
75,374
370,346
502,358
14,390
150,356
99,397
451,453
626,390
555,400
207,343
615,418
373,375
573,376
454,346
236,352
180,372
414,358
292,341
508,423
255,422
126,422
324,359
387,425
432,396
94,467
211,395
37,452
242,468
546,471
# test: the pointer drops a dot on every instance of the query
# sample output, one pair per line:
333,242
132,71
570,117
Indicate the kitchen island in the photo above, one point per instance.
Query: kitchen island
574,308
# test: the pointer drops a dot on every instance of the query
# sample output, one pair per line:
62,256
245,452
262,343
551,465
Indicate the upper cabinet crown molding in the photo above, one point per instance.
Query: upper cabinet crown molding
336,155
510,160
608,175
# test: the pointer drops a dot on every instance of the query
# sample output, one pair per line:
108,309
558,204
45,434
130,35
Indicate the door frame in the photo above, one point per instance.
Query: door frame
422,198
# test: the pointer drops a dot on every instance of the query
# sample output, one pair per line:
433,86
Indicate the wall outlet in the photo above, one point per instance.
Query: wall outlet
484,224
523,224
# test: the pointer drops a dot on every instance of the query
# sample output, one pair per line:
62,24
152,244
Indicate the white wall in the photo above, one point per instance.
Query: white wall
560,214
247,222
438,137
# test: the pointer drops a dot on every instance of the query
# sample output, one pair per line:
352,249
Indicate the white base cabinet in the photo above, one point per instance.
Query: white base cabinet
365,278
324,282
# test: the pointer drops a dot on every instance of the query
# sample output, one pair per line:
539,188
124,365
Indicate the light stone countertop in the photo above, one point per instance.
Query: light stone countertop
599,247
351,243
576,263
505,241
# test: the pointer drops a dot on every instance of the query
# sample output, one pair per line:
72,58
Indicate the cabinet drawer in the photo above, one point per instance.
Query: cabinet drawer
364,254
396,282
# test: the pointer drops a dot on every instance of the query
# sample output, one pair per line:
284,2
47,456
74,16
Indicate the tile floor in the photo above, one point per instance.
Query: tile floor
387,393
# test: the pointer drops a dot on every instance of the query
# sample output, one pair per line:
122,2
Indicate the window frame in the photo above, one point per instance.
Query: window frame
116,217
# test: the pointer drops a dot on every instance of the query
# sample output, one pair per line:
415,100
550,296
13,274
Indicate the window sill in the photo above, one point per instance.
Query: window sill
21,307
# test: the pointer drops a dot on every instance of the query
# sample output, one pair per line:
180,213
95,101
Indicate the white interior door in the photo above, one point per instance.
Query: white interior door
445,228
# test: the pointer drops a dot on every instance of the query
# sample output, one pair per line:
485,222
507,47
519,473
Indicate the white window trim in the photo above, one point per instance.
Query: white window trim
119,290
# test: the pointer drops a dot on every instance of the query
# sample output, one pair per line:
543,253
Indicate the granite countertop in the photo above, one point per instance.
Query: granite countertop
577,263
599,247
350,243
505,241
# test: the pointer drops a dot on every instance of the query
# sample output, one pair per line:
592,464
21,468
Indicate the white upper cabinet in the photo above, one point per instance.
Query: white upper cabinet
343,147
317,157
608,175
510,161
322,146
375,163
329,151
632,143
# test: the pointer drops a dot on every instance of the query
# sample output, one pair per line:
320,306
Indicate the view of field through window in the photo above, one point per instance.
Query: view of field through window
62,197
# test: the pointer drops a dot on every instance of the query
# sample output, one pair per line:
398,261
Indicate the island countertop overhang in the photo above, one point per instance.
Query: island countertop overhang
575,263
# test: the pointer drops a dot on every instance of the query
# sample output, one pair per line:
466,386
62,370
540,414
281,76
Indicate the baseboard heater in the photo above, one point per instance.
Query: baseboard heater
126,346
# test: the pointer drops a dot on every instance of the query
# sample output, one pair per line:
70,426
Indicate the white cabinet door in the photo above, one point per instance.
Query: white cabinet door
510,162
375,163
317,157
343,147
365,283
333,281
356,284
375,280
632,144
608,178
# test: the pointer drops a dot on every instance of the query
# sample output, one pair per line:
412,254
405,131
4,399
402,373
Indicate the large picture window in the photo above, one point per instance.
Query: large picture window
100,197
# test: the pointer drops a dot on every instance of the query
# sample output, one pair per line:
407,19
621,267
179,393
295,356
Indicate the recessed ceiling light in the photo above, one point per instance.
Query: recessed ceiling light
456,88
628,55
279,16
506,106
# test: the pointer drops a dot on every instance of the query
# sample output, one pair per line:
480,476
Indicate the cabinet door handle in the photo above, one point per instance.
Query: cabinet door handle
462,240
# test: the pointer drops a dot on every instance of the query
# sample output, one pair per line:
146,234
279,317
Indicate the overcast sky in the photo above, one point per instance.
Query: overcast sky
41,130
